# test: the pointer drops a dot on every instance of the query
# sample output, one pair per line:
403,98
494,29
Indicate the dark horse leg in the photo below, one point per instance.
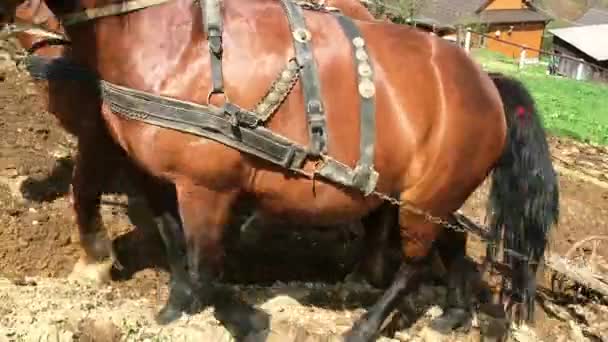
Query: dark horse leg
382,243
162,201
417,239
97,163
205,215
380,239
461,278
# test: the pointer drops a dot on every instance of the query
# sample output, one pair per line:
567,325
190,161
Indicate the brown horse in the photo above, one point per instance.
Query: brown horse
441,129
75,106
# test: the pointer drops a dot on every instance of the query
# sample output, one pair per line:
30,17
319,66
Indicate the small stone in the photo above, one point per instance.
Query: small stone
403,336
279,302
10,172
429,335
523,334
434,312
576,333
99,330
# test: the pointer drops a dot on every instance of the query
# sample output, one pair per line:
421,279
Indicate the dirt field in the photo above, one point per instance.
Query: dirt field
38,248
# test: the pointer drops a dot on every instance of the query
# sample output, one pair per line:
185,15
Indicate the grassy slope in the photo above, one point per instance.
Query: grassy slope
568,107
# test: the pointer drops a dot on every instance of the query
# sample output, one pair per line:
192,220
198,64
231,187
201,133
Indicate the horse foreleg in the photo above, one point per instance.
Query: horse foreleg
417,238
162,201
181,287
96,163
205,214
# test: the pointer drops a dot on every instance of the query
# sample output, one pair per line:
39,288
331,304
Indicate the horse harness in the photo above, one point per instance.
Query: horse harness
231,124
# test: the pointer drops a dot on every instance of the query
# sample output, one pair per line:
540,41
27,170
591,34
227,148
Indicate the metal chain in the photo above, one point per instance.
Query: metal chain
415,210
438,220
402,205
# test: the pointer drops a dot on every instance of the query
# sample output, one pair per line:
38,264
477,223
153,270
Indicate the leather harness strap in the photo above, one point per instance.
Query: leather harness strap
365,175
212,12
315,111
233,125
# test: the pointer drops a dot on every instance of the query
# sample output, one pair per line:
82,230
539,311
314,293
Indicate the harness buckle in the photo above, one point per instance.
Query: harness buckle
215,41
318,139
317,124
238,117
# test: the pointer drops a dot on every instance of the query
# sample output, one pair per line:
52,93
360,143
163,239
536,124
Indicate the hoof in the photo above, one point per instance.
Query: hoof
493,322
360,333
168,314
355,277
370,277
91,273
353,336
452,320
240,318
181,299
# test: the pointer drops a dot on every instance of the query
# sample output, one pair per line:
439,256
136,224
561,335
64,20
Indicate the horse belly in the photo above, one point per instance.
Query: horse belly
304,199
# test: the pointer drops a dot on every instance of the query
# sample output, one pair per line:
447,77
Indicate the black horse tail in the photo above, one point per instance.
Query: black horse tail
524,197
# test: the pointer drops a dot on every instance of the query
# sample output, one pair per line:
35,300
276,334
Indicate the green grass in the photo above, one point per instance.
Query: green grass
572,108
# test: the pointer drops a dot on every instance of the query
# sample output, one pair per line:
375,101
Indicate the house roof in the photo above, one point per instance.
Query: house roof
452,12
506,16
586,38
594,16
448,12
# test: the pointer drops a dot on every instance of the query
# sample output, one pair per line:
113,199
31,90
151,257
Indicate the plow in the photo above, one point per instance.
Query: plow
582,270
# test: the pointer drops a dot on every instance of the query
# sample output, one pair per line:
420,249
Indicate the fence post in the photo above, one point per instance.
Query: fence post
522,59
467,40
579,70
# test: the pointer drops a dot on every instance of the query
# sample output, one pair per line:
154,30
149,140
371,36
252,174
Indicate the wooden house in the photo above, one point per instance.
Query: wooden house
515,21
587,44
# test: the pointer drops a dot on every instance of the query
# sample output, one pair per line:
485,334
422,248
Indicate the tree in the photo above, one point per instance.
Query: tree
409,9
400,11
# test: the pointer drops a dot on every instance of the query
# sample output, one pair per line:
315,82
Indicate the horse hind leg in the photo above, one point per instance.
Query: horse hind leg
375,265
462,279
417,236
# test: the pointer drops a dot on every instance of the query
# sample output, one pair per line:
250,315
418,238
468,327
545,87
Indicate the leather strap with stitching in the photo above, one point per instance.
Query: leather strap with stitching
365,176
311,85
